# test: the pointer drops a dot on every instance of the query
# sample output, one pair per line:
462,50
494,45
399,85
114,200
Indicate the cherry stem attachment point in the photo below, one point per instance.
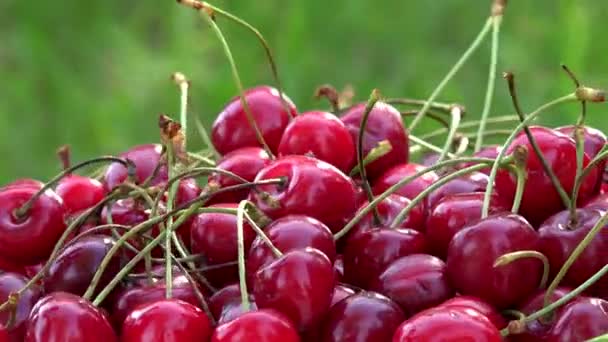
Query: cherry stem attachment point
508,258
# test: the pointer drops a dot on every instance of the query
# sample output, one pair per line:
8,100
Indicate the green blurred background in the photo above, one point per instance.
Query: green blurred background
95,74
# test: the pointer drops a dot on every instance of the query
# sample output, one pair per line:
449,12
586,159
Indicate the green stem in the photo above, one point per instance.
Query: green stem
202,131
443,107
508,258
456,115
373,98
430,114
471,124
519,190
241,256
429,146
587,170
184,85
170,204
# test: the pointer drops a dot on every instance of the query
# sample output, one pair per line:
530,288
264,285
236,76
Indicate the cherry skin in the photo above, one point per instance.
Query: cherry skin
365,316
11,283
223,297
453,213
145,158
598,202
31,238
23,183
289,233
187,190
384,123
472,182
368,253
490,151
9,266
64,317
262,326
231,129
388,209
341,291
558,239
79,193
169,320
415,282
245,162
313,188
4,334
300,284
580,320
339,267
331,141
473,251
473,303
540,199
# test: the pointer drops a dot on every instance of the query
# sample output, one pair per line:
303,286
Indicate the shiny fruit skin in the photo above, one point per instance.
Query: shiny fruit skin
146,158
247,327
11,283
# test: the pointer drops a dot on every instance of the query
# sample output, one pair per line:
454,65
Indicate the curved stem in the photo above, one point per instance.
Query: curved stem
430,114
508,258
456,115
472,123
260,232
241,256
429,146
443,107
382,149
519,190
202,131
373,98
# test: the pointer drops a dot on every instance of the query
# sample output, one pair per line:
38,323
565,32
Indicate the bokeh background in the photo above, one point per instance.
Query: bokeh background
95,74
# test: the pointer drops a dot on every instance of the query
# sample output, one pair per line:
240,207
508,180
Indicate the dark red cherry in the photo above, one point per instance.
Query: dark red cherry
289,233
474,303
415,282
365,316
453,213
31,238
330,142
233,310
540,199
225,296
79,193
145,158
11,283
580,320
472,182
4,334
388,209
231,129
341,291
447,325
300,284
384,123
558,239
64,317
214,235
23,183
369,252
187,191
490,151
598,202
169,320
245,162
339,267
9,266
313,188
261,326
473,251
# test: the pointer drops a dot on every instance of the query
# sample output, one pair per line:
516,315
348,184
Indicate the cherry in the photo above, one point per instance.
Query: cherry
473,303
187,190
558,239
453,213
490,151
79,193
339,267
3,334
598,202
289,233
472,182
299,284
447,325
169,320
214,235
341,291
388,209
233,310
64,317
8,266
245,162
415,282
540,199
473,251
313,188
145,158
23,183
369,252
331,141
223,297
384,123
261,326
580,320
232,130
365,316
11,283
30,238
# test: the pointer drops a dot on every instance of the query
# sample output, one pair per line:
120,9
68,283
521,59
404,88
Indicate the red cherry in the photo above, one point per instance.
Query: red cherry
598,202
313,188
64,317
341,291
23,183
289,233
472,182
145,158
9,266
187,191
260,326
330,142
388,209
231,129
3,334
453,213
79,193
225,296
366,316
245,162
169,320
368,253
490,151
473,251
580,320
31,238
474,303
447,325
415,282
339,267
540,199
384,123
234,310
11,283
299,284
558,239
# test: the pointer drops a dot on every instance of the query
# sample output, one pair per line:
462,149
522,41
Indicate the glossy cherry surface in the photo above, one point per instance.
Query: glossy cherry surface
490,151
146,158
369,252
473,251
64,317
300,285
169,320
474,303
594,141
598,202
231,129
4,334
388,209
384,123
221,298
263,325
339,267
313,188
415,282
23,183
11,283
580,320
79,193
472,182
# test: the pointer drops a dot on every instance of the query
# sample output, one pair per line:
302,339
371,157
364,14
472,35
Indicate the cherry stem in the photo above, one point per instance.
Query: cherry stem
260,232
382,149
508,258
184,84
520,159
462,142
472,123
463,59
170,204
241,256
602,338
430,114
330,93
490,188
456,115
427,145
369,106
590,167
489,133
201,159
202,131
63,153
443,107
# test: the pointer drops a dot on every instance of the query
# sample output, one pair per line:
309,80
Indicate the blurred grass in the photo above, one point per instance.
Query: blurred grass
95,75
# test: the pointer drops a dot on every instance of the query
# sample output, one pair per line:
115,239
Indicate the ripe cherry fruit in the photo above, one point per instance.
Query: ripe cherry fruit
580,320
247,327
146,159
11,283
